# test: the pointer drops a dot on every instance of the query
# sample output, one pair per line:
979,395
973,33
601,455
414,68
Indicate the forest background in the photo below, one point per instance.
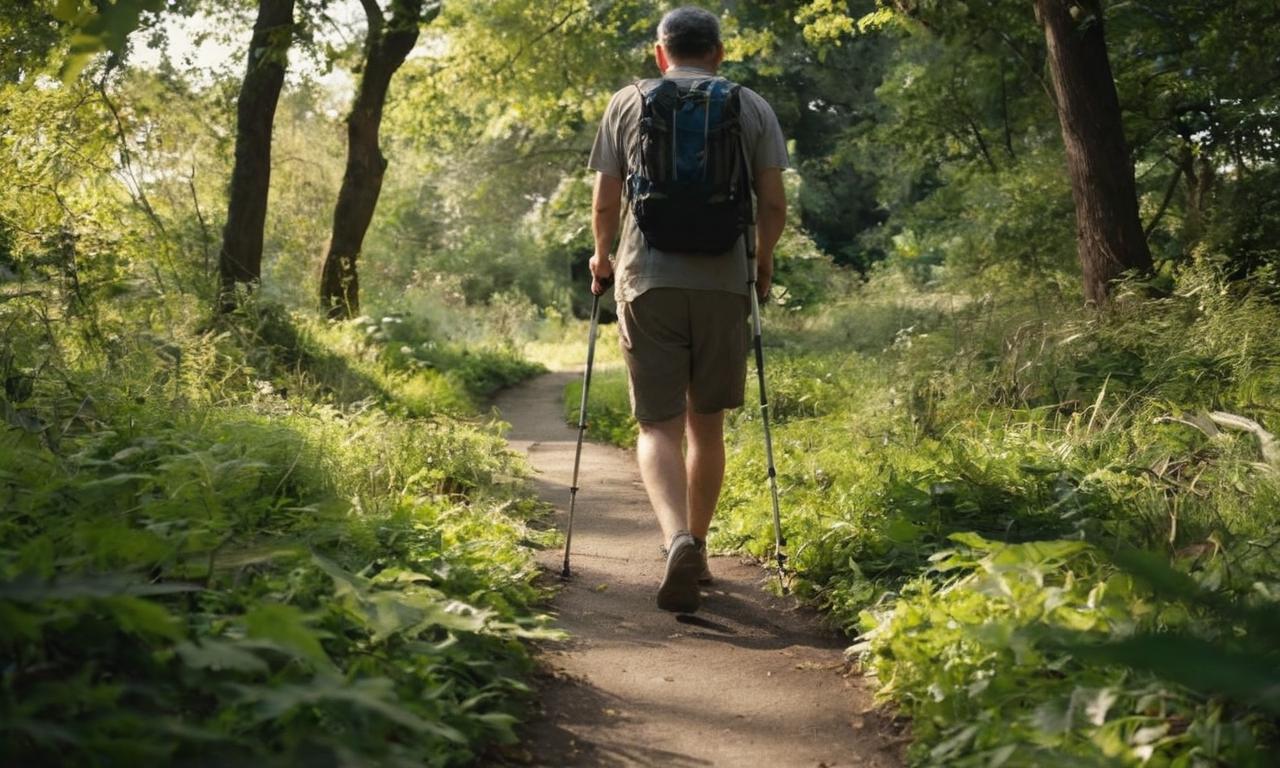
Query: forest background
1027,374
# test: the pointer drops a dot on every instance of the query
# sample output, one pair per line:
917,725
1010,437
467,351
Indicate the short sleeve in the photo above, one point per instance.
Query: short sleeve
606,155
769,149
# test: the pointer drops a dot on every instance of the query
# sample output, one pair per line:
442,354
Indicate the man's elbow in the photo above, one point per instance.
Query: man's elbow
606,208
606,200
775,209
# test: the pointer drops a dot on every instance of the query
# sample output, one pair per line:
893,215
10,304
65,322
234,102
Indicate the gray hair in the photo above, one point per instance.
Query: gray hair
689,32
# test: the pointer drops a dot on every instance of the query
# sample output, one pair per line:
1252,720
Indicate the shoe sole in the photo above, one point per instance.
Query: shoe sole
679,590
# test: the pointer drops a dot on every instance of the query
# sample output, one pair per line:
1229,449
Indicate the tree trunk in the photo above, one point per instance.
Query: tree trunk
1109,236
1200,174
387,45
240,260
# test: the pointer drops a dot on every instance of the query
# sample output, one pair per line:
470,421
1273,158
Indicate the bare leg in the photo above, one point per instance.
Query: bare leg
705,468
658,451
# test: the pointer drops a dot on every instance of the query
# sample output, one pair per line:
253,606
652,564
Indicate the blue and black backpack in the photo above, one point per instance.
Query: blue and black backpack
690,192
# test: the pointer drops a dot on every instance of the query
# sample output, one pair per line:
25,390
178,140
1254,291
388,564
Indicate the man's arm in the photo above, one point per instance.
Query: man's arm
771,218
606,207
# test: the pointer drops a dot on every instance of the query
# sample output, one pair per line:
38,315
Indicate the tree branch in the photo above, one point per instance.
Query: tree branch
374,14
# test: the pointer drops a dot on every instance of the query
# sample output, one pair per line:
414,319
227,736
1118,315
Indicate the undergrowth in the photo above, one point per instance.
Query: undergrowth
265,541
959,478
609,410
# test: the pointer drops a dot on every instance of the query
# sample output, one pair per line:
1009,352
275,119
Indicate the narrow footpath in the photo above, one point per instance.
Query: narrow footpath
750,680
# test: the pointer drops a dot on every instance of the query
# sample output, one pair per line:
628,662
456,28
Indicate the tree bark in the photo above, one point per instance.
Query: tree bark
1109,236
240,259
387,45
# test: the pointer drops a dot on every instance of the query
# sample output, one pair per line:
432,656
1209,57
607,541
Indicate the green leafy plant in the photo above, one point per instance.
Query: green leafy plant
239,545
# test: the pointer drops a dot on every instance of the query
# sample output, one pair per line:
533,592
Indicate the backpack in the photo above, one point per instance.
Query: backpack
690,192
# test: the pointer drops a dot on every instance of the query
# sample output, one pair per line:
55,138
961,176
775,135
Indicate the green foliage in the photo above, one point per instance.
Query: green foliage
1037,437
98,27
253,544
417,365
608,409
977,661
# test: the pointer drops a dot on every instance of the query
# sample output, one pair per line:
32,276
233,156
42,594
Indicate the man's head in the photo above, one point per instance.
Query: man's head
689,36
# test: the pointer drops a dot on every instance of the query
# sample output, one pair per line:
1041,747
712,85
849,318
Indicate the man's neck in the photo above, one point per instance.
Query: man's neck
696,69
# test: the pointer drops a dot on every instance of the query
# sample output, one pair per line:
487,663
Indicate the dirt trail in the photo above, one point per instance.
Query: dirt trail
749,680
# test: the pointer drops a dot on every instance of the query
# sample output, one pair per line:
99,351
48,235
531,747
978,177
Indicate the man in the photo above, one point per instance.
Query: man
682,316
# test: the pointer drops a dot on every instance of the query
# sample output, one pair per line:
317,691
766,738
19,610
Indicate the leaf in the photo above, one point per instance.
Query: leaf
456,615
119,479
105,30
219,655
400,576
27,589
971,540
1098,703
390,612
1193,662
376,695
144,617
66,10
1052,717
287,626
1153,569
902,531
959,740
502,724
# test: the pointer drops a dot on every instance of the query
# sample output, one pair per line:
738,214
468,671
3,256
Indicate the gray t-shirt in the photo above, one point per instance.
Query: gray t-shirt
637,267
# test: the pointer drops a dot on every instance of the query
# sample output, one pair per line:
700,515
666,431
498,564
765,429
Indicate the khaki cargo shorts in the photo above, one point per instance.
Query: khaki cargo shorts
684,345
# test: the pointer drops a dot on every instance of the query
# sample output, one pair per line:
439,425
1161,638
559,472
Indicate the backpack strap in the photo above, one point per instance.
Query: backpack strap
645,90
748,241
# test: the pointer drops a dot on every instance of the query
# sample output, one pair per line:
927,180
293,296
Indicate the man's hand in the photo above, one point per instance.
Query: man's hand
601,273
764,280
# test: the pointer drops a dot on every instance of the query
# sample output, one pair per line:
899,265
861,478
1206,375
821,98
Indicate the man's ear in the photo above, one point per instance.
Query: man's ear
719,57
660,54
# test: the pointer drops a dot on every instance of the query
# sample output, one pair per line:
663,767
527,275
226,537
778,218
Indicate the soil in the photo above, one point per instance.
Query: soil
751,679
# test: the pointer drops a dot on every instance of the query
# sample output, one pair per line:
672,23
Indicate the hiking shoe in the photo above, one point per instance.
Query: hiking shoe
704,576
679,590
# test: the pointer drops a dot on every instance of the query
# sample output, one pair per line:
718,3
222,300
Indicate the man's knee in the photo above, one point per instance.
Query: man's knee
673,427
705,424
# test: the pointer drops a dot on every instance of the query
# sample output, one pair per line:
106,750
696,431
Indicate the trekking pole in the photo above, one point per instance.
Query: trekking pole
779,541
582,424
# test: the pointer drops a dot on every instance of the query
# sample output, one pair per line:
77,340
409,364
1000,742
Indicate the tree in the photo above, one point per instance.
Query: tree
387,45
823,90
1109,235
500,120
240,259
